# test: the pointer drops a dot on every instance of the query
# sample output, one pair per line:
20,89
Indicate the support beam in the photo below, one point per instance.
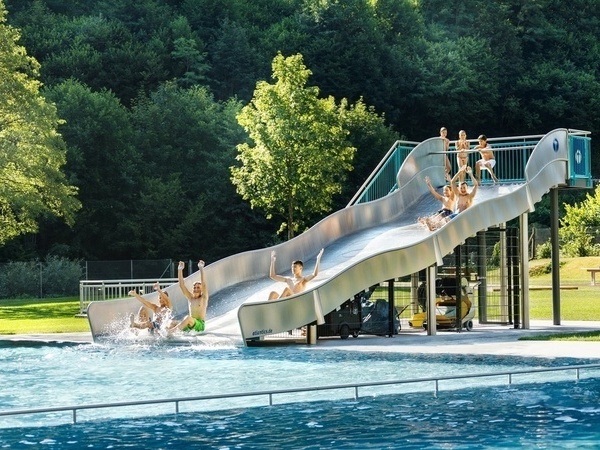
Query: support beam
458,275
414,293
524,238
431,320
555,256
482,277
391,308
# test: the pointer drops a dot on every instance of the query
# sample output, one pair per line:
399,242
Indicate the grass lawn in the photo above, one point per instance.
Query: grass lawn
583,336
58,315
55,315
582,303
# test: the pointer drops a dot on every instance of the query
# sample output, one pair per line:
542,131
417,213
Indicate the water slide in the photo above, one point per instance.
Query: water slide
364,244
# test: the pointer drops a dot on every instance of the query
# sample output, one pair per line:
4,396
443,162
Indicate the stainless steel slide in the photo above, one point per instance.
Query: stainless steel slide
364,245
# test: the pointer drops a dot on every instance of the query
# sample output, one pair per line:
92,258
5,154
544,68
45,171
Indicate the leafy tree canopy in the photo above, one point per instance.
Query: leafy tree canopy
187,140
502,68
32,153
301,152
104,165
580,225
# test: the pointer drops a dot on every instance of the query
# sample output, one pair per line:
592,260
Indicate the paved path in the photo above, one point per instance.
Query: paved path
484,339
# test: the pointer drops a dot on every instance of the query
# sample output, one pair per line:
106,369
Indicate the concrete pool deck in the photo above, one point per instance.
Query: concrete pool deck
483,339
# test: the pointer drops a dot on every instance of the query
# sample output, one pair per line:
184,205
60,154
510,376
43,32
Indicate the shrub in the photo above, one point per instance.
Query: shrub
543,269
56,277
20,279
540,270
494,260
544,250
579,227
61,277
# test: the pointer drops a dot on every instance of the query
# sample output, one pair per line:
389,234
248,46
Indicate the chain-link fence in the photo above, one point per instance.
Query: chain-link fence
490,269
60,277
155,269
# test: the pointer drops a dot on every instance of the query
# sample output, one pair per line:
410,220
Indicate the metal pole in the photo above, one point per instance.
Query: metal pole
458,287
555,256
523,223
431,310
482,276
311,334
414,292
391,309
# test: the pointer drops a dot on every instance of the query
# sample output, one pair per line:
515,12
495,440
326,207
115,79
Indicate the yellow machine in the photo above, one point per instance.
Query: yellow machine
445,306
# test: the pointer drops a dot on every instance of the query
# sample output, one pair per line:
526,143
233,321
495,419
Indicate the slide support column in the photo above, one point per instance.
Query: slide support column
555,256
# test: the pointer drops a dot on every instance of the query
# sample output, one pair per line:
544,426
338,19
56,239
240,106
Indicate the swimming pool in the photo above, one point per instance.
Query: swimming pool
549,408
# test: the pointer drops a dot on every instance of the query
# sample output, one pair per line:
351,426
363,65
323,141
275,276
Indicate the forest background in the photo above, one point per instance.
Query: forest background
150,91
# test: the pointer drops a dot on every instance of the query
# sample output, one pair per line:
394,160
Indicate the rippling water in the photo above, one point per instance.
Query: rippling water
549,415
544,410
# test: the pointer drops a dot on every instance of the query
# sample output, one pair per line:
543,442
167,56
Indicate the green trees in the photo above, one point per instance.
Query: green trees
32,153
104,164
186,204
370,134
301,151
580,226
142,85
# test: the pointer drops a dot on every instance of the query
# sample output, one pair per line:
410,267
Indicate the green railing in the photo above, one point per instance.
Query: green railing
382,180
511,153
511,156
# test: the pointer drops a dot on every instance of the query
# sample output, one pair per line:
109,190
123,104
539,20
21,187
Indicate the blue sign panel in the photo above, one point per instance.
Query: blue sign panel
579,161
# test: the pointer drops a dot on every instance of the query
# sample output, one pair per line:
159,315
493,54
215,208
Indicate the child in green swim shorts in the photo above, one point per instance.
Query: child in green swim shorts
198,326
197,301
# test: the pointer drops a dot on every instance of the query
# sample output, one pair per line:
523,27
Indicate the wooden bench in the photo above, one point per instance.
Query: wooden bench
593,271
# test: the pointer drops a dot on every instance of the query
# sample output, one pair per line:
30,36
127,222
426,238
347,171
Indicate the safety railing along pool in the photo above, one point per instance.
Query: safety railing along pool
270,394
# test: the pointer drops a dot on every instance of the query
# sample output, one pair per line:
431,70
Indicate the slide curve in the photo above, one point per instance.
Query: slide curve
364,244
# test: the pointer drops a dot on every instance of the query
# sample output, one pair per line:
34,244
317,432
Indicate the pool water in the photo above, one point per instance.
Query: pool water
551,415
548,410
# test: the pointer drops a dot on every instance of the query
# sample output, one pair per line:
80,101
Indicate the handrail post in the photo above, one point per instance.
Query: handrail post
81,294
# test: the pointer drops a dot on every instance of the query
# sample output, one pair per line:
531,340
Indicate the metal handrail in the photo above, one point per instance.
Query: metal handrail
373,175
271,393
366,191
98,290
495,149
